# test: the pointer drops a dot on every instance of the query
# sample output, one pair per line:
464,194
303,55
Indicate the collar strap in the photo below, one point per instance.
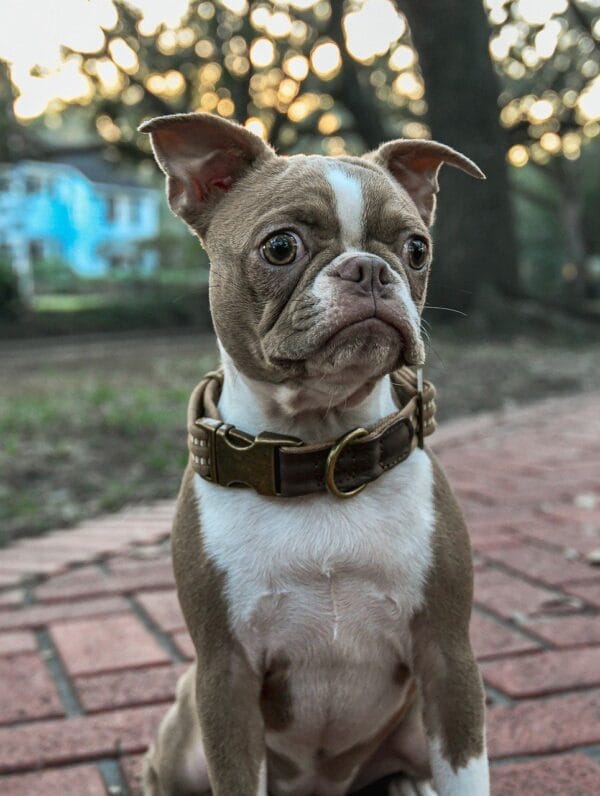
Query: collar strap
284,466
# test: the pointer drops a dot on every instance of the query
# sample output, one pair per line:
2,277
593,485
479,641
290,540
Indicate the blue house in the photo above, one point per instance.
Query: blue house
79,211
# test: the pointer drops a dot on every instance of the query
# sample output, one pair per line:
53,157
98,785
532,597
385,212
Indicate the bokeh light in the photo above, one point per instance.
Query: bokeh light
371,29
262,52
518,155
326,60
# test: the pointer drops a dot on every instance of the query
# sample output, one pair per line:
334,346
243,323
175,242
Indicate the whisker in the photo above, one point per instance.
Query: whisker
446,309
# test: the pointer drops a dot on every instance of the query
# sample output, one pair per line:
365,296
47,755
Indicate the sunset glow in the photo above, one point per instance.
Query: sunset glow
32,34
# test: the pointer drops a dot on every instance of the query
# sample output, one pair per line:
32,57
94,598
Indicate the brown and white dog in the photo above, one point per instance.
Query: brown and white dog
332,636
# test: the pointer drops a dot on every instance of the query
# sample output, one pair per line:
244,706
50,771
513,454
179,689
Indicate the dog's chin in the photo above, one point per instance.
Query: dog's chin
369,349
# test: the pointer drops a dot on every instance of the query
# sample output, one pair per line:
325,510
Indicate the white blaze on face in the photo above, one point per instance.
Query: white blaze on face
350,206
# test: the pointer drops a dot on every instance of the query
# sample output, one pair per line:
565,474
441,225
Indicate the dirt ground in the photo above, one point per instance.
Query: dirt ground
93,424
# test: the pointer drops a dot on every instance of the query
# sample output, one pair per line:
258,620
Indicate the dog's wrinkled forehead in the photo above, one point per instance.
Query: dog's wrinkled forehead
357,194
337,200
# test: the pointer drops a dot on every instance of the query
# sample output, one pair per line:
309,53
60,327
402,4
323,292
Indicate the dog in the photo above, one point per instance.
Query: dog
329,603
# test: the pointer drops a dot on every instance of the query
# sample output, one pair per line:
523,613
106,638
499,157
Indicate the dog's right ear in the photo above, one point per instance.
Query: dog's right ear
202,156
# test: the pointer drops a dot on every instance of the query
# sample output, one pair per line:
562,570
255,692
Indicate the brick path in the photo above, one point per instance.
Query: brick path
92,640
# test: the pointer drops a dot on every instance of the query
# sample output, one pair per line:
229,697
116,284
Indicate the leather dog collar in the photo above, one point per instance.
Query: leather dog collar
284,466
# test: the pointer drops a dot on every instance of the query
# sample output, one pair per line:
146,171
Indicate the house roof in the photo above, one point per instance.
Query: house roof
93,166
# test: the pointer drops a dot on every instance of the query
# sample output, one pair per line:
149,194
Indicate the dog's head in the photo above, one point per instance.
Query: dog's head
319,265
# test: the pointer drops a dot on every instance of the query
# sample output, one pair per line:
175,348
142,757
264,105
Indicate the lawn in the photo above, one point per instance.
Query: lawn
90,426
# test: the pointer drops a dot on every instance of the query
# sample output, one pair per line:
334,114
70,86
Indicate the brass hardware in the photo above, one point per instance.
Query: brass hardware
332,458
238,459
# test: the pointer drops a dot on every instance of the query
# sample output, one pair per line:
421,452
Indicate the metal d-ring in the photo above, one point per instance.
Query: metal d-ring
332,458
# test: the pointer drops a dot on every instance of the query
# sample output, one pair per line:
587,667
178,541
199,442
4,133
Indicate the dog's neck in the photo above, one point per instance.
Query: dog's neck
256,406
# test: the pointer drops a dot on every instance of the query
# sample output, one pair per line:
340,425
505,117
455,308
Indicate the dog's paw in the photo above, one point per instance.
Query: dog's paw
408,787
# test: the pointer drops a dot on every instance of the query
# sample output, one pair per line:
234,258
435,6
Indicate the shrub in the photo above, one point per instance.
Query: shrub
54,276
11,300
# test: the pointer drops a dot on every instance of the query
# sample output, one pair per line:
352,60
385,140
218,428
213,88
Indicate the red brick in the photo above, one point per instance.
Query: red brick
507,595
589,592
164,608
90,582
561,534
573,774
589,517
10,579
127,688
543,726
11,599
62,741
131,767
88,646
26,689
114,533
72,781
138,558
553,568
567,631
21,641
484,539
184,644
77,582
544,672
40,615
489,638
32,562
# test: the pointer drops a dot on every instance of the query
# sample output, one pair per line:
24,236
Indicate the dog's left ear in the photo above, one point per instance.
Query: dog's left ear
415,164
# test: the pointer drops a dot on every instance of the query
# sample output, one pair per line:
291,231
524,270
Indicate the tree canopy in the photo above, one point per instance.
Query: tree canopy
335,77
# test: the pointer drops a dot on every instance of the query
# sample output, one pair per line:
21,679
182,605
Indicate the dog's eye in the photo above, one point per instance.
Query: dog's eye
283,248
416,251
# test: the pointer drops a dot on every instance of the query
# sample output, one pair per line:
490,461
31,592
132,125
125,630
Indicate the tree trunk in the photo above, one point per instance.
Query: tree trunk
353,89
474,233
571,209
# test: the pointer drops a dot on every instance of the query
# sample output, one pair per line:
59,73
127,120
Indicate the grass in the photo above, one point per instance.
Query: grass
87,429
88,426
69,303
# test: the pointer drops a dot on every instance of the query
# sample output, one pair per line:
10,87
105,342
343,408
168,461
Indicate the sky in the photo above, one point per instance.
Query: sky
32,32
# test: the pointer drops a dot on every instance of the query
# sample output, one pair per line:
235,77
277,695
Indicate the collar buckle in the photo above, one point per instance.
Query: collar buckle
239,459
332,458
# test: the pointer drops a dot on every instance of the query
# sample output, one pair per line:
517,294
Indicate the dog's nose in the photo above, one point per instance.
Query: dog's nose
367,270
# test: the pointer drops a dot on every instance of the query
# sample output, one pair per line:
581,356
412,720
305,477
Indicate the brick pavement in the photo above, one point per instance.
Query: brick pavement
92,640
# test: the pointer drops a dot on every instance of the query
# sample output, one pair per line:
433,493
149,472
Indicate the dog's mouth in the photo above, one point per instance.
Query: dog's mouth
372,339
374,333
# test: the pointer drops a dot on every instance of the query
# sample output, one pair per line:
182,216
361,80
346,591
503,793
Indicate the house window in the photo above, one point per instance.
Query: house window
135,210
117,262
36,250
111,209
32,184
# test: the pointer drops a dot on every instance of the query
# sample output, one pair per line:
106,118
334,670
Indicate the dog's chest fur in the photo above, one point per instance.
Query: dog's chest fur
324,589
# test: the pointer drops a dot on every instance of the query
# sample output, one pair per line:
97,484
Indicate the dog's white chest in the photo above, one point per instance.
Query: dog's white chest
329,586
299,553
309,576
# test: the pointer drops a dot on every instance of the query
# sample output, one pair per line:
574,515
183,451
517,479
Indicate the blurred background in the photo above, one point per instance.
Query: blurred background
104,324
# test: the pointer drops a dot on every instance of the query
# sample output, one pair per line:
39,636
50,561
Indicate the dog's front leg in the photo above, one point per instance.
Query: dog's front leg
228,699
452,695
453,715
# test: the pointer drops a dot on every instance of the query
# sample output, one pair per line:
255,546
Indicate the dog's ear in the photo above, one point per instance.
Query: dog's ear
202,156
415,164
